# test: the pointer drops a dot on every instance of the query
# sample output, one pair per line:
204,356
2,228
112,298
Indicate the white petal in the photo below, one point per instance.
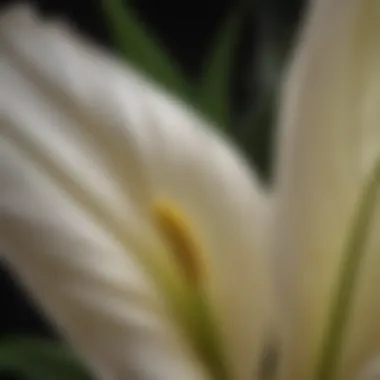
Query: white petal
329,143
114,143
83,277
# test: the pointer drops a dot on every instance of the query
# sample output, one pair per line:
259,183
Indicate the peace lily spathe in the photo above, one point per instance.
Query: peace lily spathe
97,168
145,236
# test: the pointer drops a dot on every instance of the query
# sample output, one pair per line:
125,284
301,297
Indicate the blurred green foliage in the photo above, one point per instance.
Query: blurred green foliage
38,359
250,124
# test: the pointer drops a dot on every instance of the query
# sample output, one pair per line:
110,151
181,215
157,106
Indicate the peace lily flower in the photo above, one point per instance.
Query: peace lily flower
146,238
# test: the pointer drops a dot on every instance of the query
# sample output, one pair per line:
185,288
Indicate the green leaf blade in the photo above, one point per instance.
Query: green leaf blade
38,359
216,75
140,49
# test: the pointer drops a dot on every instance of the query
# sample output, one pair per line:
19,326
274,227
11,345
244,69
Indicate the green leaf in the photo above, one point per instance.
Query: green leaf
39,359
216,74
142,50
254,133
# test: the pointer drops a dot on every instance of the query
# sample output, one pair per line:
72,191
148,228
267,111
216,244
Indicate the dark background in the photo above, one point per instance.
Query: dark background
186,29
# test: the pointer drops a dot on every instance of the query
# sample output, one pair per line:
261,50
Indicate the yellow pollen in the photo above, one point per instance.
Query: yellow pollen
173,225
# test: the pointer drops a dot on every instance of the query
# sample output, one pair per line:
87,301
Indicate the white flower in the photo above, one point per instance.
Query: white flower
124,215
147,239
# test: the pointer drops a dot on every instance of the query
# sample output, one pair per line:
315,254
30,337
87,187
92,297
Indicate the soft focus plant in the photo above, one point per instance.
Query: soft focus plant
146,238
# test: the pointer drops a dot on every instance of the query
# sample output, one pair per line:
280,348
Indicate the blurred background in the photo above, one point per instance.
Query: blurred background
224,57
